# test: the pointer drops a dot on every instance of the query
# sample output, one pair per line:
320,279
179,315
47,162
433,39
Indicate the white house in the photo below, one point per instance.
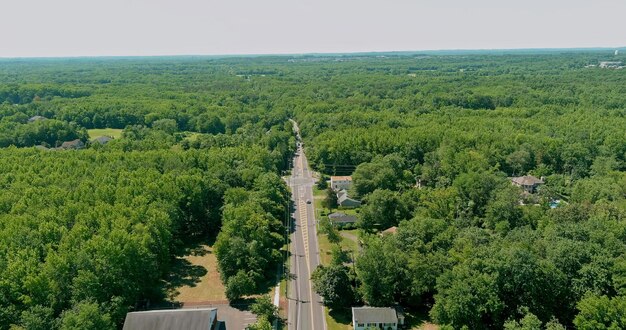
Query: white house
367,317
340,182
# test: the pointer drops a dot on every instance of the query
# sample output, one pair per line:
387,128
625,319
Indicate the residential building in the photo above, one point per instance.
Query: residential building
341,219
36,118
338,183
390,230
610,65
102,140
528,182
367,317
345,201
172,319
74,144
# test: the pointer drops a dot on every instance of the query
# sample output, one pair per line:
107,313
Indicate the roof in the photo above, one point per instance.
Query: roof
36,118
342,217
74,144
341,178
344,197
172,319
368,314
102,139
390,230
527,180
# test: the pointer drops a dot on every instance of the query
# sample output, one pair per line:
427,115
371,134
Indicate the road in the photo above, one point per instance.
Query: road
305,308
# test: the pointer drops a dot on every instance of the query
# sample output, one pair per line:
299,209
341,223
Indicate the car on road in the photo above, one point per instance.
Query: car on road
308,201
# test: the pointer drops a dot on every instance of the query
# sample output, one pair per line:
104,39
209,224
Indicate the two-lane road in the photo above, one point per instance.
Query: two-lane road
305,308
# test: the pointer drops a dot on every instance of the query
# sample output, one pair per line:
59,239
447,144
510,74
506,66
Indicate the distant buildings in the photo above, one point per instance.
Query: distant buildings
36,118
172,319
376,317
338,183
610,65
528,182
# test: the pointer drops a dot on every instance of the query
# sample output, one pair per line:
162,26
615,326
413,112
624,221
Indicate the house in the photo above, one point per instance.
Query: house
338,183
36,118
610,65
390,230
172,319
528,182
375,317
345,201
102,140
72,145
341,219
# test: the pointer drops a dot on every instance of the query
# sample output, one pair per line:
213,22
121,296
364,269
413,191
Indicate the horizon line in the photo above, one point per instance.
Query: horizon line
452,50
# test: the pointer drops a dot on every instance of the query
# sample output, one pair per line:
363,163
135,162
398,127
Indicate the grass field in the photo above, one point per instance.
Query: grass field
98,132
200,281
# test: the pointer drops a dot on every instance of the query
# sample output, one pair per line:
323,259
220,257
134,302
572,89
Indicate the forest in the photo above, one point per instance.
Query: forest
430,140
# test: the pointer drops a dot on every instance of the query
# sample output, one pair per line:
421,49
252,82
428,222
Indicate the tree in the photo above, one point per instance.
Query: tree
332,283
504,208
85,315
382,210
327,228
239,285
322,182
601,312
518,161
466,297
264,308
261,324
379,269
330,200
389,172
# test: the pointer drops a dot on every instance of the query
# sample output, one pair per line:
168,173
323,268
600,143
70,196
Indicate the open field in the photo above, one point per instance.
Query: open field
115,133
200,280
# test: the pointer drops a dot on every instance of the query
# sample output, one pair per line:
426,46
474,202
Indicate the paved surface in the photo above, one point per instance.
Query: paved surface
305,308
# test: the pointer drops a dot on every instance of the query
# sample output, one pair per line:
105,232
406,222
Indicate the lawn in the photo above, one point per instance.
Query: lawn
98,132
197,279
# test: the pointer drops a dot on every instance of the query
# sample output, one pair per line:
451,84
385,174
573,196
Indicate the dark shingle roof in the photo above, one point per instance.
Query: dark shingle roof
374,315
342,217
102,139
74,144
173,319
527,180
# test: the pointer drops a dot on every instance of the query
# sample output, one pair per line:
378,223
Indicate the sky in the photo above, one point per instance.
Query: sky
52,28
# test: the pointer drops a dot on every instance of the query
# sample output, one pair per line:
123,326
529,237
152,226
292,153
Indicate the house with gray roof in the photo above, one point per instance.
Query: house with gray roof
527,182
102,140
341,219
375,317
172,319
72,145
345,201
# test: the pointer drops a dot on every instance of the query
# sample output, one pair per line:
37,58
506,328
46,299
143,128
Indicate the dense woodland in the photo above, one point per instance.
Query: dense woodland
87,235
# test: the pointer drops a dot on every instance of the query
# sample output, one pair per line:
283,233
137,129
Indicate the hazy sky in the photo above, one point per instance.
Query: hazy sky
172,27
